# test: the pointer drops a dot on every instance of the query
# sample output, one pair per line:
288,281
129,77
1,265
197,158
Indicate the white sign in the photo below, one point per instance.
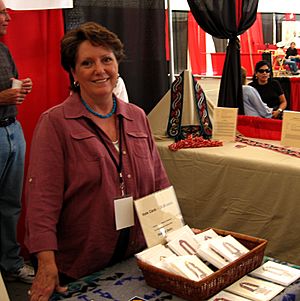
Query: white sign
38,4
158,214
224,125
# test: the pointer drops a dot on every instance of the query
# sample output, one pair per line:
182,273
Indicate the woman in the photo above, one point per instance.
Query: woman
253,105
86,153
269,89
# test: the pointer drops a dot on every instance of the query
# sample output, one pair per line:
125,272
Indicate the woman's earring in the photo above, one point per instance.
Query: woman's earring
76,84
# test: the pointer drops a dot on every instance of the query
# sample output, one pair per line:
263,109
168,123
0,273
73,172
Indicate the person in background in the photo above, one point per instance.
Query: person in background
12,155
253,105
120,89
292,53
281,55
87,154
269,89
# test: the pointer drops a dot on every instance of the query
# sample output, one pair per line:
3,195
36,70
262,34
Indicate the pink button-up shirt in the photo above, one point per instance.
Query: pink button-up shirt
72,183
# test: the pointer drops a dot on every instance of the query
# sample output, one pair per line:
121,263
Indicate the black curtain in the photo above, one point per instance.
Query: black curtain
219,18
140,25
180,40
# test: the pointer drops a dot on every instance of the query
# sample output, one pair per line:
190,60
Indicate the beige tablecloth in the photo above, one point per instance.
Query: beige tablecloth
246,189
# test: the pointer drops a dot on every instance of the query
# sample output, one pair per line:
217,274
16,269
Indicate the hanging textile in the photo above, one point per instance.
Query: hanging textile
226,19
176,129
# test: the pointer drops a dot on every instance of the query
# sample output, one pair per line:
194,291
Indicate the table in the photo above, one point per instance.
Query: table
124,281
241,188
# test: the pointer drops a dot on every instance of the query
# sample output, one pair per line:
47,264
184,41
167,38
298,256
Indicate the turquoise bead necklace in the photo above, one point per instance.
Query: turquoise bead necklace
113,110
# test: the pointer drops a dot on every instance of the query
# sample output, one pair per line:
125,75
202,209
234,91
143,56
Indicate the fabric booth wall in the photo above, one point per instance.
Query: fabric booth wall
33,39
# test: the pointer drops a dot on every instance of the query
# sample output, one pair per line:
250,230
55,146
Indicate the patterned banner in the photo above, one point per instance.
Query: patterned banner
37,4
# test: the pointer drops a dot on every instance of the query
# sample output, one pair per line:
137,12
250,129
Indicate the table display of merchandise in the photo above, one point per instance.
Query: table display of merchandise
181,263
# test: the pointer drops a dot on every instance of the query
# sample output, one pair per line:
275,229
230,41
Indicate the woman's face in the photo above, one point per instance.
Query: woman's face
96,71
263,74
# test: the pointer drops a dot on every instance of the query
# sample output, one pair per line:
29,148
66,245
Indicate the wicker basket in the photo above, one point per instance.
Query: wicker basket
212,284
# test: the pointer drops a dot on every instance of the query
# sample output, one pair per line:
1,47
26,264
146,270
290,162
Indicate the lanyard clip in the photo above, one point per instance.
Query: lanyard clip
122,184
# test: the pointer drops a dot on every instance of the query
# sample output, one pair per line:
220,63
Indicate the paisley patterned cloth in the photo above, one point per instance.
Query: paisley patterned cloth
124,281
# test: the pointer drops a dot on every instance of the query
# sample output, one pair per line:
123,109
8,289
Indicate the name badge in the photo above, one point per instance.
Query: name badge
124,216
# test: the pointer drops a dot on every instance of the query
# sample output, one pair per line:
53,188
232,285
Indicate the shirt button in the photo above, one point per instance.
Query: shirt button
129,176
124,152
30,180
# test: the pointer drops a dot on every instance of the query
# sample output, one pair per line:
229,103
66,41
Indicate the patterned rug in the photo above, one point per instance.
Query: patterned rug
124,281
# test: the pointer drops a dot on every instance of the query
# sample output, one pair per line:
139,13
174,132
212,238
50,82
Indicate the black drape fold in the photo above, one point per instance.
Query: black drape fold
219,18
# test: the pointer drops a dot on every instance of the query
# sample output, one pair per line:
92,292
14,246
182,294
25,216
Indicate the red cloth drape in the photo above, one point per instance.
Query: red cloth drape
197,46
33,39
251,41
295,94
258,127
167,35
238,11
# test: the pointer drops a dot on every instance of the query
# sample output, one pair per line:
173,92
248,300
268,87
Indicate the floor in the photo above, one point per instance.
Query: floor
17,291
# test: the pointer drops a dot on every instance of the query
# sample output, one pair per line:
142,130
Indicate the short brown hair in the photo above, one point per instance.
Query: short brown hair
97,35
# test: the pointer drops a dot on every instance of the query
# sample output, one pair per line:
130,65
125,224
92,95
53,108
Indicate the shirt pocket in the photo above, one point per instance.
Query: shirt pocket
87,145
139,144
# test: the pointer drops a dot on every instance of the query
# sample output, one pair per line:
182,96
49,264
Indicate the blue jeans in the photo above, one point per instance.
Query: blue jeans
292,65
12,155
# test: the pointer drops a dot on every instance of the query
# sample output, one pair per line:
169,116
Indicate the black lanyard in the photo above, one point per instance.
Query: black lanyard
119,165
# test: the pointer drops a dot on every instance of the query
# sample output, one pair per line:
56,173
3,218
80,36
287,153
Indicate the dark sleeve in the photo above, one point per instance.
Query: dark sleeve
288,53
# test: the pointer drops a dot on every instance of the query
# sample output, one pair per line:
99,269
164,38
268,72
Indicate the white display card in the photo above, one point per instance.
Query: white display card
227,296
189,266
276,272
158,213
228,247
255,289
184,244
290,134
206,235
224,125
185,229
205,252
154,254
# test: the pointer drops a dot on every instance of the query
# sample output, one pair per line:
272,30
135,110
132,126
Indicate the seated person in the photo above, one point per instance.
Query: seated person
292,53
253,105
269,89
281,55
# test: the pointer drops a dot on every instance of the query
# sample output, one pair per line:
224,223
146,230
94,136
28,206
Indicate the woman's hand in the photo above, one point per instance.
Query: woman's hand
46,280
276,114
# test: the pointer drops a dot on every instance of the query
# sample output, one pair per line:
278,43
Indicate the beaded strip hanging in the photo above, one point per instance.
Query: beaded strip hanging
276,148
175,129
